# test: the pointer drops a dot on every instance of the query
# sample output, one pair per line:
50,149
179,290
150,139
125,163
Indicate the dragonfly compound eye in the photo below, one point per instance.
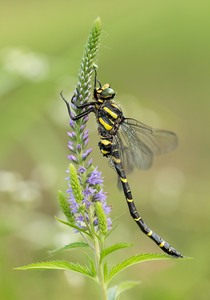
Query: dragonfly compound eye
107,93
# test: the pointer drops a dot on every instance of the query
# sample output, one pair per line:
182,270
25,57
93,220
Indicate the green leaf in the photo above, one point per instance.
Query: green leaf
134,260
113,248
115,291
72,226
64,222
92,266
69,246
59,265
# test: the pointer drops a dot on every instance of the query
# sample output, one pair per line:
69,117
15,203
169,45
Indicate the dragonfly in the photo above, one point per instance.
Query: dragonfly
127,143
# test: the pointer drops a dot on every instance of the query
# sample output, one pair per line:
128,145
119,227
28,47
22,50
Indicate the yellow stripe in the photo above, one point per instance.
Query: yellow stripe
109,111
105,142
162,244
105,86
137,219
104,151
123,179
129,200
106,126
149,233
117,160
115,105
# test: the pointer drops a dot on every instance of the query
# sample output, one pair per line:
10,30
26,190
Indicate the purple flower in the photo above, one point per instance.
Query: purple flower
72,202
85,118
71,147
86,153
95,177
71,134
81,169
82,127
107,208
85,134
72,123
85,142
100,196
92,192
72,158
89,191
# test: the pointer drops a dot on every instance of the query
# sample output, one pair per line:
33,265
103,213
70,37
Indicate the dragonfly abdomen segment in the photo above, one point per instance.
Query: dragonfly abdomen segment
133,211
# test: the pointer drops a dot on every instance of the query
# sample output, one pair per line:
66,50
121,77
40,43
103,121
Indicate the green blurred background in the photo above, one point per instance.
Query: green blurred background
156,55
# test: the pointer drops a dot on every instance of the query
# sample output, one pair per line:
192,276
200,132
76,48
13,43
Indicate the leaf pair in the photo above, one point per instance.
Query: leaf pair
91,271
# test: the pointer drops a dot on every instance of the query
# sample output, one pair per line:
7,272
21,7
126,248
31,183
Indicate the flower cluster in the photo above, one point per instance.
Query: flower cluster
85,205
85,181
85,194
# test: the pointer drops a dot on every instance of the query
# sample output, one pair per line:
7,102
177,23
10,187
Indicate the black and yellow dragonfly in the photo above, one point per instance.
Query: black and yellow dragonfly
128,144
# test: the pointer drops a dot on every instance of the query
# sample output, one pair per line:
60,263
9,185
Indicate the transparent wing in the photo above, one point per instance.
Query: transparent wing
139,144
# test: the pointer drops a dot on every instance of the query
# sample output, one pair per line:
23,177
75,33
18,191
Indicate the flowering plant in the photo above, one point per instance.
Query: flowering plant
85,205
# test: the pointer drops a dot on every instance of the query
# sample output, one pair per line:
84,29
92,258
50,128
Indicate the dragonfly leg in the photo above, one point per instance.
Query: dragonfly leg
82,114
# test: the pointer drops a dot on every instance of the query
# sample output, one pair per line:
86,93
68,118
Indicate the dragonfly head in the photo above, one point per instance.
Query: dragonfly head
105,93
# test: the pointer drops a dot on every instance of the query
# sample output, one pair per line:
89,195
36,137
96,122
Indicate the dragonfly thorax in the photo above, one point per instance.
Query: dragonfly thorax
109,116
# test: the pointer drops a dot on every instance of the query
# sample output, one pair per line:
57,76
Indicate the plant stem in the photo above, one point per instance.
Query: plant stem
97,247
99,268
